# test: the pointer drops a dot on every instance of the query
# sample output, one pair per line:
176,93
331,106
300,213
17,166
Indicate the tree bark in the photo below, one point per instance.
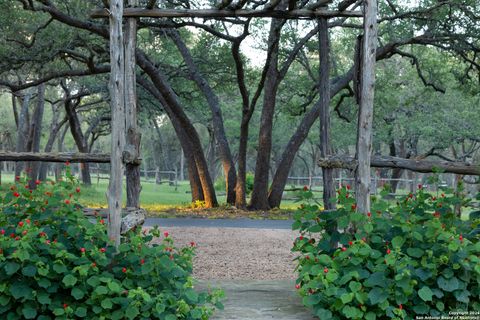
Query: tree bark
54,157
35,135
365,114
324,91
132,169
224,151
22,130
259,200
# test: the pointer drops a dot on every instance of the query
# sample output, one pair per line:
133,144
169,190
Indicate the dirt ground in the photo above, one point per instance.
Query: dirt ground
239,253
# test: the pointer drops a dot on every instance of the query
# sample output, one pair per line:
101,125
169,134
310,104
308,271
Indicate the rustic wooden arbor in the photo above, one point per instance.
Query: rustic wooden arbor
122,80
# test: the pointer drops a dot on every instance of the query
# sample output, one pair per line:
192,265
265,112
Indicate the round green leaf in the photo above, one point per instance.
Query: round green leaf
29,312
81,312
425,294
69,280
77,293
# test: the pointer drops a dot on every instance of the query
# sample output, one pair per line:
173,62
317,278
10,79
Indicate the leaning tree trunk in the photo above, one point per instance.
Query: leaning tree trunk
22,131
217,118
169,100
35,135
259,200
325,146
365,114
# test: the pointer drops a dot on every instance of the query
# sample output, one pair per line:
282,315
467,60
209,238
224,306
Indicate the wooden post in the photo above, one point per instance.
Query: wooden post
365,114
324,90
133,135
117,87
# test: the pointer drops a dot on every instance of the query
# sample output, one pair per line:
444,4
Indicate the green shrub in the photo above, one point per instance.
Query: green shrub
398,262
56,264
220,184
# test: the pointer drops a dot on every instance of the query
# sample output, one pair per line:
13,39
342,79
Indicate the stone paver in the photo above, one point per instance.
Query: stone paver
259,300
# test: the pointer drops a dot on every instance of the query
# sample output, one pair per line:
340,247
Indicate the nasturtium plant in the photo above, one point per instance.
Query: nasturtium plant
403,260
55,263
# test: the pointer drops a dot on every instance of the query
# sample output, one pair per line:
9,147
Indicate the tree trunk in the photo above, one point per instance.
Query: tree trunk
132,169
182,166
60,146
35,135
76,130
325,146
241,188
259,200
211,154
117,102
169,100
217,118
54,129
365,114
22,131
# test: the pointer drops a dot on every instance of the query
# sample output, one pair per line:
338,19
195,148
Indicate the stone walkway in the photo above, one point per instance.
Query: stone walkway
259,300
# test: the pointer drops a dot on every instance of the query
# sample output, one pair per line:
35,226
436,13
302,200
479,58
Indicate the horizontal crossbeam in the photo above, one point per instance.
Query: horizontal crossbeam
241,13
54,157
348,162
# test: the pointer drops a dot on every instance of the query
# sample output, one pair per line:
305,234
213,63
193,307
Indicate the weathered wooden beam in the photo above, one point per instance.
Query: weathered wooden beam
425,166
131,217
215,13
54,157
117,104
365,110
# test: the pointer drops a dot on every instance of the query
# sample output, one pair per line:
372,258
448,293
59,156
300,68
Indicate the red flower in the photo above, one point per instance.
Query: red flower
77,190
124,270
297,286
24,232
67,163
82,250
42,234
16,194
65,306
305,188
20,224
103,249
94,264
346,196
165,234
102,221
434,198
410,195
307,257
300,238
420,186
354,206
460,238
27,221
325,270
192,244
142,261
350,243
443,195
12,235
369,214
47,241
17,178
37,182
400,306
364,239
67,201
344,249
348,187
2,232
389,251
17,238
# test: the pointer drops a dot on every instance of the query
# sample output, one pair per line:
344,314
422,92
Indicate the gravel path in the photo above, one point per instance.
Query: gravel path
238,253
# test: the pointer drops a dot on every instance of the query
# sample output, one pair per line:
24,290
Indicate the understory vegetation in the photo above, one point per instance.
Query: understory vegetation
57,264
396,262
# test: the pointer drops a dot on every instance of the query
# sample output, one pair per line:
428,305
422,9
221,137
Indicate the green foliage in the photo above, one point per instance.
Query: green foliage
399,262
55,263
